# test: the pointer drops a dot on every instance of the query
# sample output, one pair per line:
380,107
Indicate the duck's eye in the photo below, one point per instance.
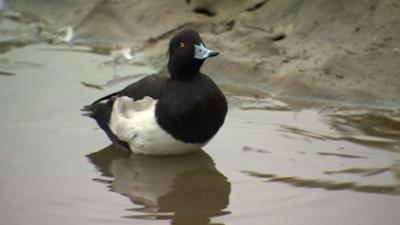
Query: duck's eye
181,44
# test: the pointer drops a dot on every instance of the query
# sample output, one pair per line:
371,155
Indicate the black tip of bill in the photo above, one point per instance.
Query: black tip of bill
213,53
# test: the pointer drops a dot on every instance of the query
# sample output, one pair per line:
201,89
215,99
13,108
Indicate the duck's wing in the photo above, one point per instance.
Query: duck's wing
100,110
150,86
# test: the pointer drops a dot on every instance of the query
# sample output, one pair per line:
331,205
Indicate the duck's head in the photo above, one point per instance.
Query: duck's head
187,53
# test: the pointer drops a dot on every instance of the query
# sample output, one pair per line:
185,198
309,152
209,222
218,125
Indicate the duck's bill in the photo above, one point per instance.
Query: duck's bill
201,52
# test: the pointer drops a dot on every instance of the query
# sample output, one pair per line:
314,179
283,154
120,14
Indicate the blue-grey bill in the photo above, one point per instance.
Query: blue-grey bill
201,52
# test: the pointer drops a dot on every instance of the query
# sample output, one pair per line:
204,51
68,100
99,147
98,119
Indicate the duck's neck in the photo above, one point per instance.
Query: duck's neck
184,70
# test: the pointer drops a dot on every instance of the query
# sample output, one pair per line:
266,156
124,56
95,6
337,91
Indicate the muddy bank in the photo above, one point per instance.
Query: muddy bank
340,51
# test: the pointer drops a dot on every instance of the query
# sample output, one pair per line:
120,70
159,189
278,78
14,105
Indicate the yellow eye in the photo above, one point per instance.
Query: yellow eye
181,44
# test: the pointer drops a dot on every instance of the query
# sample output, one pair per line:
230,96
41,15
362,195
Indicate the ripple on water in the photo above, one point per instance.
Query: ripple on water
347,140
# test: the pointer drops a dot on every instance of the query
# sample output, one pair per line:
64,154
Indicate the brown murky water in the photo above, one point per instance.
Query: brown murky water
272,163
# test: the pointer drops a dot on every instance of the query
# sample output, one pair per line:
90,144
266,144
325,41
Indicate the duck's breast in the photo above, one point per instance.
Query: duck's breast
192,111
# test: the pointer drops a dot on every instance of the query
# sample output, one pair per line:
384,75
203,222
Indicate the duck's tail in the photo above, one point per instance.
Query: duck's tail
105,97
93,109
101,112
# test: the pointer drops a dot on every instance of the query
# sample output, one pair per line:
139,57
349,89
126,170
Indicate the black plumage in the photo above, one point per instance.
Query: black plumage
190,106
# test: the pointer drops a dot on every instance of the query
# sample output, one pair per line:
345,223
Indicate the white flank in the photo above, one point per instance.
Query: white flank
134,122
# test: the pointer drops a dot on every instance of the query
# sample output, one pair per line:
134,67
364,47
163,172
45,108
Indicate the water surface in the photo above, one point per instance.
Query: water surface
271,163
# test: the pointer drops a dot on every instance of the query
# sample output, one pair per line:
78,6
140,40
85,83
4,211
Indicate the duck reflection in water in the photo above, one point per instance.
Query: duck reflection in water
187,189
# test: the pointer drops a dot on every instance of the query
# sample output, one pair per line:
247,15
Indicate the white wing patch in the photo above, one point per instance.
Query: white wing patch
134,122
